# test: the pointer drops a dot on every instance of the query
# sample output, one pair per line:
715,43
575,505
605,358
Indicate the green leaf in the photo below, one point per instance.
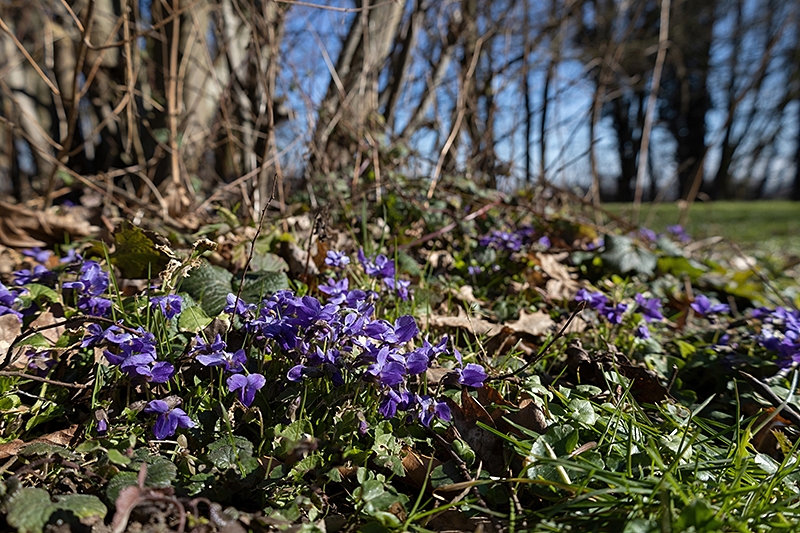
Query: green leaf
697,514
29,510
37,340
116,457
268,262
51,412
119,482
161,472
622,255
135,253
257,285
193,319
681,266
86,507
42,293
209,285
583,412
224,454
47,449
685,348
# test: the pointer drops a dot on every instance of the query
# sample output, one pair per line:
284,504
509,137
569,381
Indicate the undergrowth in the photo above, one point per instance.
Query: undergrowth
492,364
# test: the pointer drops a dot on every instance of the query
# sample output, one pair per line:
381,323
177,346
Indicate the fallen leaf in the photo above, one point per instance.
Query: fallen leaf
417,467
62,437
487,446
536,324
476,326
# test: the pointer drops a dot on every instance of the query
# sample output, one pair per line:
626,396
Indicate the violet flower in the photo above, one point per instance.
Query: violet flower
428,408
246,386
336,259
471,375
649,307
170,305
168,419
38,254
8,302
39,274
614,314
93,281
702,306
379,267
233,362
335,290
595,300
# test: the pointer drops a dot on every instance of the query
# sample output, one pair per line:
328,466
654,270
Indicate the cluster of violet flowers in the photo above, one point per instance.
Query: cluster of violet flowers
780,334
341,340
649,308
512,241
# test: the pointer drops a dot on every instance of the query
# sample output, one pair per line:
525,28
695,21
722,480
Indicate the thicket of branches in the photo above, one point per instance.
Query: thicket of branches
639,99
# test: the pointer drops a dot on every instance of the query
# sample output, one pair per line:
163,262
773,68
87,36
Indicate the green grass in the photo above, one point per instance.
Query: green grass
769,226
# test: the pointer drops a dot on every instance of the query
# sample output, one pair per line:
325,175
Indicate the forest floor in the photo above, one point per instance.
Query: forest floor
473,362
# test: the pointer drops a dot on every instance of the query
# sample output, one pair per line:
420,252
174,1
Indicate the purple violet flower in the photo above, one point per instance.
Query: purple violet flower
335,290
474,270
93,281
702,306
336,259
595,300
170,305
544,242
380,267
649,307
233,362
246,386
39,274
237,306
38,254
678,231
642,332
8,302
168,419
614,314
400,286
428,408
471,375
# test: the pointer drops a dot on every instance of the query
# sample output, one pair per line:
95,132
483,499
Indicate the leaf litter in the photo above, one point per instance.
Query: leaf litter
500,285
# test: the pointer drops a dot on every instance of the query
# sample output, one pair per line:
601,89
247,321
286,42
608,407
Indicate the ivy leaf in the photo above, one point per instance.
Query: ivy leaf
260,284
135,253
622,255
209,285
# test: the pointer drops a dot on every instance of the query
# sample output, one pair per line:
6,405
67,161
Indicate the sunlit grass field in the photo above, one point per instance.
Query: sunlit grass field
768,226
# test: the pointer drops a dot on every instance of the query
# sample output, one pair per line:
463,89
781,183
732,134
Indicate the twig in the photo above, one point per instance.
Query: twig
538,357
763,389
14,374
252,251
663,35
68,323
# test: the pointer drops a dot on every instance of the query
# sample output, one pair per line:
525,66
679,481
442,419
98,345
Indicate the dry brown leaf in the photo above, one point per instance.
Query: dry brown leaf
536,324
476,326
61,437
417,467
21,227
464,294
562,284
10,328
487,446
530,416
48,318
